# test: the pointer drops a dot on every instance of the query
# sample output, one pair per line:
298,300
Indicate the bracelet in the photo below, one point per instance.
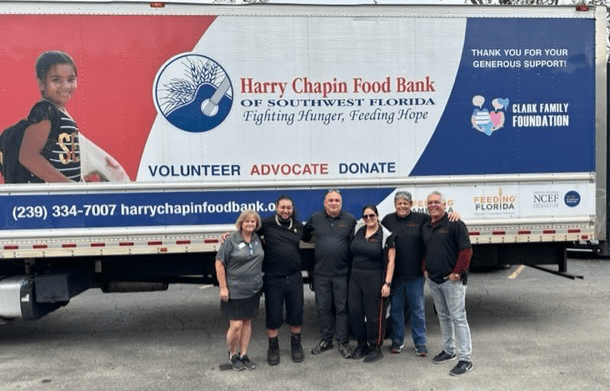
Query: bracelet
387,283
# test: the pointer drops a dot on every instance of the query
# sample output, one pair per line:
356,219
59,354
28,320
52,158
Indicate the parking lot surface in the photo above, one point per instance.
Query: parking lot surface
531,331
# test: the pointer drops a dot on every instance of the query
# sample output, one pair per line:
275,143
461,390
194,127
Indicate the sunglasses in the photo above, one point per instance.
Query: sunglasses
365,217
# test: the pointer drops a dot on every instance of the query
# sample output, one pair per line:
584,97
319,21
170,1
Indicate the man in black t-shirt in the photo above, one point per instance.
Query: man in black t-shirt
333,229
408,281
283,281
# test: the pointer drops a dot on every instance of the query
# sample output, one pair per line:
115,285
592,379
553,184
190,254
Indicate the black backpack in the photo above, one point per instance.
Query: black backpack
10,144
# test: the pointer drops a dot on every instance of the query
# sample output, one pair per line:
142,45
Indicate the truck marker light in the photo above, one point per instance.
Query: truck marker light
155,243
574,230
98,244
11,247
68,245
548,231
210,240
582,7
499,232
37,246
126,244
524,232
157,4
474,233
184,241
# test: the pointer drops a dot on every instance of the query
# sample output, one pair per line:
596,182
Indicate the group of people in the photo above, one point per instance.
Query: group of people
359,267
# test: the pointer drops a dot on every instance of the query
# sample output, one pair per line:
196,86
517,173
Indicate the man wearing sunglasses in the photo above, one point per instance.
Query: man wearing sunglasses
332,230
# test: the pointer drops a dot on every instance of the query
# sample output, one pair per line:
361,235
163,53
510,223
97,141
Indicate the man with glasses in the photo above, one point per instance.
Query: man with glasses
332,230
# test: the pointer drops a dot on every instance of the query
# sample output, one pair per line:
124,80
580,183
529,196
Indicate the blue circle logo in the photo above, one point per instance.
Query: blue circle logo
193,92
572,198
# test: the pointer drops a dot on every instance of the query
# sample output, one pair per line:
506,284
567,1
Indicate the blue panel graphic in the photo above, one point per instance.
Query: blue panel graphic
523,101
164,208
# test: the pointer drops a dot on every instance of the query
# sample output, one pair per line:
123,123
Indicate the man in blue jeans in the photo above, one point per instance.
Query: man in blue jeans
448,254
408,281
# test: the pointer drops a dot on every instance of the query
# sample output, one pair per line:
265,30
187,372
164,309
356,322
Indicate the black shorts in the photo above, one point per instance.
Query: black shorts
283,292
240,308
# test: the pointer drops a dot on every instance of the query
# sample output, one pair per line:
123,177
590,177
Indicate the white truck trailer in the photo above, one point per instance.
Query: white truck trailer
190,112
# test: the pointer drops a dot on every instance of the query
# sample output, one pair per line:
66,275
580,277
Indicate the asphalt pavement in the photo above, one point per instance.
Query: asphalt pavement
531,331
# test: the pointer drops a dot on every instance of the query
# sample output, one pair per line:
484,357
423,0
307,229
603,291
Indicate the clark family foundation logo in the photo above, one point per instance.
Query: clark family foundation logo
193,92
485,121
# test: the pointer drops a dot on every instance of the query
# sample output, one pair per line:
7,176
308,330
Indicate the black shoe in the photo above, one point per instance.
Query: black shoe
461,368
373,355
273,353
345,350
360,352
235,362
443,357
246,362
296,348
322,347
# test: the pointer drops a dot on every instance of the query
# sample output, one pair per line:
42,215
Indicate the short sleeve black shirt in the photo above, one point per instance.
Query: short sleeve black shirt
282,238
409,243
333,236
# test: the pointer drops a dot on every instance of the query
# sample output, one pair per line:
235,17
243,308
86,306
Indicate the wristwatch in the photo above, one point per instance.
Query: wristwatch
388,283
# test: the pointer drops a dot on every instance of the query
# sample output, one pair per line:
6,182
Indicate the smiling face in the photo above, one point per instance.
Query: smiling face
403,207
59,84
284,209
370,218
249,224
332,204
436,206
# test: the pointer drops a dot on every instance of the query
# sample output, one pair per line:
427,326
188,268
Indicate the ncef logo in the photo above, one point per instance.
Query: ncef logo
193,92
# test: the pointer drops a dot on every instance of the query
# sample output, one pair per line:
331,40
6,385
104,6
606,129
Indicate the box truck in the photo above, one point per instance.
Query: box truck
190,112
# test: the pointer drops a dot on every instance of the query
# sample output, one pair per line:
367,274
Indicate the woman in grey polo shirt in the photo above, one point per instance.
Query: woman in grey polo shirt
239,272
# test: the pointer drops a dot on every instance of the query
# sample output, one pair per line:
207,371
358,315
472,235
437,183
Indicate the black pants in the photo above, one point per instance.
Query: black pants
332,291
365,301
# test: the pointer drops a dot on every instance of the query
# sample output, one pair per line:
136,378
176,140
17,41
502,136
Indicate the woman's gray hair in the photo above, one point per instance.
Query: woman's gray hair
244,215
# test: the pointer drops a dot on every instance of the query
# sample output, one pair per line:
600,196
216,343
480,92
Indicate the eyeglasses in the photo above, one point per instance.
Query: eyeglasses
365,217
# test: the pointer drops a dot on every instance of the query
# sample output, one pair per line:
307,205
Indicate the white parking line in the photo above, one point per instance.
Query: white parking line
517,271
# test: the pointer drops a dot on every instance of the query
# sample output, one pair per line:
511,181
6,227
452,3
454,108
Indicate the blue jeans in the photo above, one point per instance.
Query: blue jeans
413,292
450,299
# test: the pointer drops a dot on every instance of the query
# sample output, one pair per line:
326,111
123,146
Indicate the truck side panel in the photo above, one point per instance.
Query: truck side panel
207,110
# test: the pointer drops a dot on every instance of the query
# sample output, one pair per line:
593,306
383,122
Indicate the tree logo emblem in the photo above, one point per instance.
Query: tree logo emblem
193,92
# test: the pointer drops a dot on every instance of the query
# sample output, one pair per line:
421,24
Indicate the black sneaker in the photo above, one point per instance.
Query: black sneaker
246,362
360,352
421,350
396,347
373,355
235,362
461,368
443,357
273,353
345,350
322,347
296,348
